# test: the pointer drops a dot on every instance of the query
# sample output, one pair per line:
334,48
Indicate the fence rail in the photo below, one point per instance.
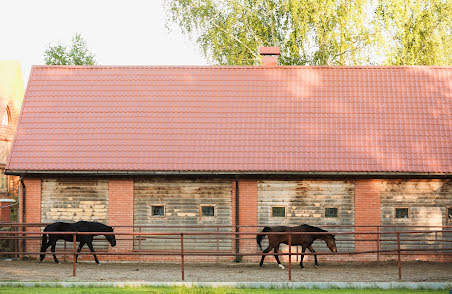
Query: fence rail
20,234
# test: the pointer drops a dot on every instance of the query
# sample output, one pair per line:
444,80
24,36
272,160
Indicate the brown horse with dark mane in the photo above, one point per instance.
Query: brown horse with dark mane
305,241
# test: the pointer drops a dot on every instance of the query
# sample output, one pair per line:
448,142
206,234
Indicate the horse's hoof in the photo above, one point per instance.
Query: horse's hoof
281,266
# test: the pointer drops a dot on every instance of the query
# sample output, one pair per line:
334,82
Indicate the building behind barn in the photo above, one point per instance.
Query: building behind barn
236,145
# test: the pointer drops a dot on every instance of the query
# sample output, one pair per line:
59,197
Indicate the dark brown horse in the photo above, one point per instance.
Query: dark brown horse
80,226
274,240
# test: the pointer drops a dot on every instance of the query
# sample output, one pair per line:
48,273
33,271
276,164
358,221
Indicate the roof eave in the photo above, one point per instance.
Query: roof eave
232,173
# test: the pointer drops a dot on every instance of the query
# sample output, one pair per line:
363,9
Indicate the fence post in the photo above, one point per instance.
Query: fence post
398,256
218,243
378,243
290,256
16,244
64,256
74,240
139,245
182,254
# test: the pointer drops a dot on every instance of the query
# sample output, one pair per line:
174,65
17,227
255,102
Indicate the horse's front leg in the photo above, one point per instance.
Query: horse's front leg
315,256
303,250
90,245
80,246
53,252
277,257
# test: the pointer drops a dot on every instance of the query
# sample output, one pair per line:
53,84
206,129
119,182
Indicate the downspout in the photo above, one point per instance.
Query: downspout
23,209
237,258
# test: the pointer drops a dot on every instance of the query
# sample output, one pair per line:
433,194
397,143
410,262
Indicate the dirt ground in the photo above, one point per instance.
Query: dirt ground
32,270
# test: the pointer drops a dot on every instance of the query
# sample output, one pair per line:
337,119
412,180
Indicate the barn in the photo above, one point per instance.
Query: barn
236,146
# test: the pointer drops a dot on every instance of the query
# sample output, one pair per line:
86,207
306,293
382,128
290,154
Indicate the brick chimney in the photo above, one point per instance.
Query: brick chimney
270,55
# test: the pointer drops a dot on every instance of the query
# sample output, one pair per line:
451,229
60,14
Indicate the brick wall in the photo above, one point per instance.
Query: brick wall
32,209
120,212
367,213
248,215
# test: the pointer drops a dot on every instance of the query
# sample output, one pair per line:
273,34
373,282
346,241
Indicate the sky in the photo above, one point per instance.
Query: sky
128,32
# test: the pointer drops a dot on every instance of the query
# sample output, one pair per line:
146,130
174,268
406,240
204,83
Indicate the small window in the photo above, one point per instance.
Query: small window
207,210
158,210
449,214
401,213
331,212
6,117
278,211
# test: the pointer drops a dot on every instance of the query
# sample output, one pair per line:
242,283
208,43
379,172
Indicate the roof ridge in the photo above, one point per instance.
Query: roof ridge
239,67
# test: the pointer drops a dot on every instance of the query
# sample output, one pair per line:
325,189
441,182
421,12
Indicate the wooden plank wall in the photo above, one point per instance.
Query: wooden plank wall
72,200
182,199
5,149
305,202
427,201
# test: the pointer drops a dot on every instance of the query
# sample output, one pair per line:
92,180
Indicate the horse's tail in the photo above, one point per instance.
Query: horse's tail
43,246
262,236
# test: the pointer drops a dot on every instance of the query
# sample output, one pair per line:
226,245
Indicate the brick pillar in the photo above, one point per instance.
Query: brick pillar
367,212
120,211
32,211
248,216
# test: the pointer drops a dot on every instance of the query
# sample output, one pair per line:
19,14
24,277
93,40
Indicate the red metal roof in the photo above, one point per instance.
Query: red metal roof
243,119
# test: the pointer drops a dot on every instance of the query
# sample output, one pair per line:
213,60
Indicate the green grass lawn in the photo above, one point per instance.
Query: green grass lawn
183,290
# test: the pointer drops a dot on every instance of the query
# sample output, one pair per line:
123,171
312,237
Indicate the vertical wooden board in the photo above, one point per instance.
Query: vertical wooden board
305,202
5,149
427,201
72,200
182,199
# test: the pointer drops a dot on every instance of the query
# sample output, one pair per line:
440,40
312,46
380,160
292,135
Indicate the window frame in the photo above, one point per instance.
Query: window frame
278,206
331,217
158,216
401,218
8,117
201,216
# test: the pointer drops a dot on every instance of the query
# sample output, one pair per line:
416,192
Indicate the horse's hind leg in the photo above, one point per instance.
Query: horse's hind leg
303,250
315,256
53,252
277,257
90,245
44,249
80,246
263,256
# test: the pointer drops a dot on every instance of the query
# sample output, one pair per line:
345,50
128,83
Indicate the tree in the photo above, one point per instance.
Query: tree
325,32
77,54
421,31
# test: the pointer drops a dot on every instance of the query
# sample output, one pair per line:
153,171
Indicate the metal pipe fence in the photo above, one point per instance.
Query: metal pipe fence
437,246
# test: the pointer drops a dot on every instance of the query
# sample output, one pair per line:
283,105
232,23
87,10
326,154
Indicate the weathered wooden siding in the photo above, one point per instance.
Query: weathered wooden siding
426,201
5,149
305,202
182,199
72,200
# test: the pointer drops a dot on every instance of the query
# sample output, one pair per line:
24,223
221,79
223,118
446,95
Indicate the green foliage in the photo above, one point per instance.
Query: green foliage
311,32
416,32
77,54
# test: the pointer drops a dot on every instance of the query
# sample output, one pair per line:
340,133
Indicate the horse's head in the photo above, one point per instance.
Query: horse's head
331,242
111,238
